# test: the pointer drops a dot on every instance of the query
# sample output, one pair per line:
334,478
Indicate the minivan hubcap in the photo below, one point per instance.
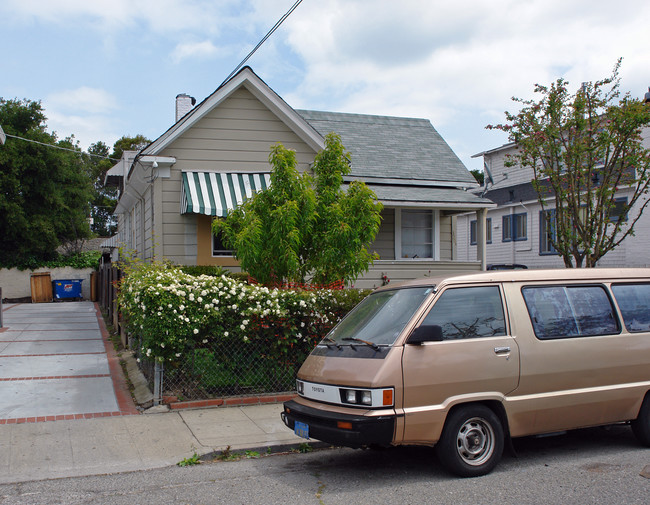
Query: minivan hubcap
475,442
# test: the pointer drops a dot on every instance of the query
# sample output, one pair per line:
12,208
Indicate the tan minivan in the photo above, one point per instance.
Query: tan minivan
465,363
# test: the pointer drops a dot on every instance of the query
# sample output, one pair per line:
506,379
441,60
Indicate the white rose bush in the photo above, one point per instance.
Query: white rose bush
222,334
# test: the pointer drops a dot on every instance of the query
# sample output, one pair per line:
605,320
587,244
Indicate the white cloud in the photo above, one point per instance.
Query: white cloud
160,16
86,129
203,50
459,63
455,63
82,99
86,113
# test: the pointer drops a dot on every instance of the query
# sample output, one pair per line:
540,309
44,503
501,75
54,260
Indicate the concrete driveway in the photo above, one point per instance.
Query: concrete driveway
56,362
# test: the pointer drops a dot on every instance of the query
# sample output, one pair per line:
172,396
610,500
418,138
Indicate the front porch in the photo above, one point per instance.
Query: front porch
404,270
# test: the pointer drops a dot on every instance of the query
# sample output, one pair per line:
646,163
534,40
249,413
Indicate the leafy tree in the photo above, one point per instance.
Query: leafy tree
127,143
478,175
305,227
346,222
104,197
44,191
584,148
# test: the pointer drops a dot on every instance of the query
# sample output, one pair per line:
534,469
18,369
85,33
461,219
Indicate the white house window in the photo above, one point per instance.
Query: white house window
547,232
617,212
417,233
473,230
218,247
514,227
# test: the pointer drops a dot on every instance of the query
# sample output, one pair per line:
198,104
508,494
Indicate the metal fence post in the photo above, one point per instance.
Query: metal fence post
0,307
157,382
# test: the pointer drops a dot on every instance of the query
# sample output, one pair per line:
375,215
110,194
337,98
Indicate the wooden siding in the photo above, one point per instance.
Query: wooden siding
236,136
507,176
384,243
147,240
446,238
399,271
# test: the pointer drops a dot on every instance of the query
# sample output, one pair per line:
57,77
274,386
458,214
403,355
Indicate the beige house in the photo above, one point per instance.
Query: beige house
216,155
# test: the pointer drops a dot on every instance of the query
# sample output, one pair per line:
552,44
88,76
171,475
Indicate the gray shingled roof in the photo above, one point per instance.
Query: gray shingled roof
392,147
417,195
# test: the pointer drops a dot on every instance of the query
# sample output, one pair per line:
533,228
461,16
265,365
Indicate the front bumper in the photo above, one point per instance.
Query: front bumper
323,425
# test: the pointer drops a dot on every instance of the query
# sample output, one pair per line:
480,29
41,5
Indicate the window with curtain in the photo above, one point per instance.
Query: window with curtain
417,233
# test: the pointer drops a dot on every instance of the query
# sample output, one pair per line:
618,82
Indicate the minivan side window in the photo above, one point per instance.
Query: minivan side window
570,311
634,302
468,313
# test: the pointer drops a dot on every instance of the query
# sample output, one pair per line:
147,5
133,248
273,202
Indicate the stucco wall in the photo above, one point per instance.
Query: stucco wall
16,283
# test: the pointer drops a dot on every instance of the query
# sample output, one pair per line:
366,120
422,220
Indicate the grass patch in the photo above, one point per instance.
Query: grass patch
191,461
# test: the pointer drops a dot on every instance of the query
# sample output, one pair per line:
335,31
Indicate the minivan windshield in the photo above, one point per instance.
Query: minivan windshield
379,318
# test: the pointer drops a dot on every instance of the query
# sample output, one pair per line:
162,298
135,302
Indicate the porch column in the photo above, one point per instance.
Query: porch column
481,252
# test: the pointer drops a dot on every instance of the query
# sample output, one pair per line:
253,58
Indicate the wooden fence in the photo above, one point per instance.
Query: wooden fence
107,281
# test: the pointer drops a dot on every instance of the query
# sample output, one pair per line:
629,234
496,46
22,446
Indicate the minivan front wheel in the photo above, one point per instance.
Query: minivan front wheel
471,443
641,425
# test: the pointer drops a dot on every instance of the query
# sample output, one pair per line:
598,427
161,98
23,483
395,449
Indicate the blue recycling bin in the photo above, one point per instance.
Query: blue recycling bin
66,288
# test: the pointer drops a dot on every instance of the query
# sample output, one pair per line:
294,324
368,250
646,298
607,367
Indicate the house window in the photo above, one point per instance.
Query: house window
473,230
547,232
514,227
218,247
618,210
417,233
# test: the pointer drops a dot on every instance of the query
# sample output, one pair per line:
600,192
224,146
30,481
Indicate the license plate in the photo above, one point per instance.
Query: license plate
301,429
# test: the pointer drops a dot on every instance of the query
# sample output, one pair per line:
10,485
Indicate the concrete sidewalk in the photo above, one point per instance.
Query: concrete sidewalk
47,450
65,409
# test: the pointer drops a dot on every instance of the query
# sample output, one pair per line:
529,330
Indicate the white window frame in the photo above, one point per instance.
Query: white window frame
435,232
212,239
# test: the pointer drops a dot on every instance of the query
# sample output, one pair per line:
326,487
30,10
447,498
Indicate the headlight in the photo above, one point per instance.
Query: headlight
300,387
367,397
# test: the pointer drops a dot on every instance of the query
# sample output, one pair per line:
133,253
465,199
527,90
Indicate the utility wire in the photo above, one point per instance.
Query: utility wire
270,32
61,148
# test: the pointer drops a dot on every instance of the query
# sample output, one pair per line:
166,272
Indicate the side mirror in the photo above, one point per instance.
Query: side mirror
432,333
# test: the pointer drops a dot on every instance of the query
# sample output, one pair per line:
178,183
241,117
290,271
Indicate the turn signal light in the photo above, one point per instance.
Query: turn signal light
344,425
388,397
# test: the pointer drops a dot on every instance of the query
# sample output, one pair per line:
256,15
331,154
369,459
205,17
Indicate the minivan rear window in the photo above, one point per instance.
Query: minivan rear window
570,311
634,302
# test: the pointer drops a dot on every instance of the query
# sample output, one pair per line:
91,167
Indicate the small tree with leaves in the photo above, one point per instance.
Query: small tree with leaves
584,148
302,227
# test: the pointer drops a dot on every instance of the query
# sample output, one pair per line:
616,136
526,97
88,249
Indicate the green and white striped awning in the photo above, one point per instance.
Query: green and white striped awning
214,194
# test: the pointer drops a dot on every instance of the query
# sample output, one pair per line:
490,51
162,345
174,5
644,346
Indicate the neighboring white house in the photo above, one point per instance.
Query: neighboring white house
217,153
516,232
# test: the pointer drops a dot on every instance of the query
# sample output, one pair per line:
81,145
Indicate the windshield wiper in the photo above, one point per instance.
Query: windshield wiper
371,344
332,341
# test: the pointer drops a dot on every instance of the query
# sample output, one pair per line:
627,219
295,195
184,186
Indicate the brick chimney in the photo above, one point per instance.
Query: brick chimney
184,104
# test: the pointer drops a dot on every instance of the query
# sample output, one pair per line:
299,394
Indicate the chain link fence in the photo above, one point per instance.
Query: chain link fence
227,368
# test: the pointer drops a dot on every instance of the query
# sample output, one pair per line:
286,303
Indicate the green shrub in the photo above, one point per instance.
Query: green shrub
88,259
178,315
196,270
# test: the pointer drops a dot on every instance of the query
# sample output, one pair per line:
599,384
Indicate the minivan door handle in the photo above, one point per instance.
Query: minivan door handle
501,350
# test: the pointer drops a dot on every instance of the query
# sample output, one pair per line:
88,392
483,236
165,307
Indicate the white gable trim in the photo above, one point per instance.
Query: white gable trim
247,78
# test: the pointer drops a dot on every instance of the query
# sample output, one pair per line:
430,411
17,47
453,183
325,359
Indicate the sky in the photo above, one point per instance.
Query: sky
107,68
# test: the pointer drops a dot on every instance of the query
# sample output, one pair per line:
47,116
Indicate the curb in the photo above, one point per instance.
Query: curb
234,401
268,450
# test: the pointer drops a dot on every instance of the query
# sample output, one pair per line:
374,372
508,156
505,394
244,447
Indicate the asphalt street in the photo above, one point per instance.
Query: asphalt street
595,466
